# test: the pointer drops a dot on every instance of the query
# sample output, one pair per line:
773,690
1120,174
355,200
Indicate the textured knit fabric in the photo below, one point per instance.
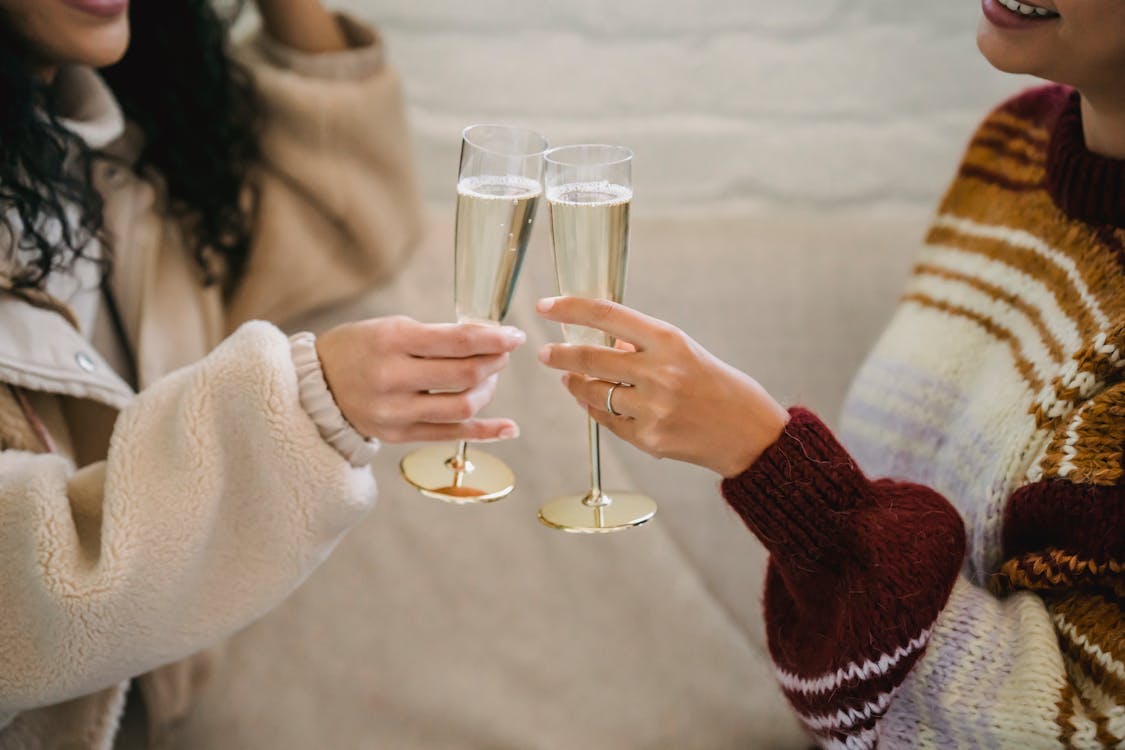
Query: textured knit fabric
971,598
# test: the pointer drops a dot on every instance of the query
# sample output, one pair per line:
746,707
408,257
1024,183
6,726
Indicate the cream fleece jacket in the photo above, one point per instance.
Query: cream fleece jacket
96,592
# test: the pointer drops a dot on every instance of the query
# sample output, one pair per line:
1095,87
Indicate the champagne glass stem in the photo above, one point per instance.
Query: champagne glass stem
596,497
459,462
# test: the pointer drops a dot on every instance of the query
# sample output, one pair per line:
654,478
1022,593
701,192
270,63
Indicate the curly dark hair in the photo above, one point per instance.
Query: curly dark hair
199,114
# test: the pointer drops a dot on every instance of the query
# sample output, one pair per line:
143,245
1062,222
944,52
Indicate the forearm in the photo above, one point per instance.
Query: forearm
217,498
859,572
304,25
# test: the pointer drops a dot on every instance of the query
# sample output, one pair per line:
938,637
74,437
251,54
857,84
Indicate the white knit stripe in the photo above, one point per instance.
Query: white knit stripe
1038,448
1020,284
1086,728
1028,339
852,672
843,720
1111,665
1108,350
865,740
1085,381
1066,466
1028,241
1096,696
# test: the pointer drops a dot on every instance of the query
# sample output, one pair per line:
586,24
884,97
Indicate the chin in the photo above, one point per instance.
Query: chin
1005,55
78,44
102,49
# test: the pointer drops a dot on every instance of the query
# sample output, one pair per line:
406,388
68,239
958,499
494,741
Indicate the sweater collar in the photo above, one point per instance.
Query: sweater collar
1085,186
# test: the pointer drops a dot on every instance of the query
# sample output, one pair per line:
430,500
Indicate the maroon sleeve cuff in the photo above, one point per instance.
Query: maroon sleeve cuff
797,496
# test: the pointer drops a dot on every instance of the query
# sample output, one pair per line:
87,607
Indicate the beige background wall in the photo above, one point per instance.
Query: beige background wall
732,105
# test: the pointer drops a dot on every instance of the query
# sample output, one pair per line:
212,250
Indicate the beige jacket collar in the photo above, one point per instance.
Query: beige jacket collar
41,351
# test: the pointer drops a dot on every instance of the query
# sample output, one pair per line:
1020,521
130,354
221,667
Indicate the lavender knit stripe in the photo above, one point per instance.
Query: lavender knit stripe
902,372
898,426
950,660
972,449
975,498
907,383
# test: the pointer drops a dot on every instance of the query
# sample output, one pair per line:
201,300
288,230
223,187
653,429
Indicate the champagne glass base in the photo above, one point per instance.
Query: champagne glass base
573,514
485,479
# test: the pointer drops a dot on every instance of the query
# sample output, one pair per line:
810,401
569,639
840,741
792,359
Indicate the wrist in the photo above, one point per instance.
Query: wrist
321,405
760,429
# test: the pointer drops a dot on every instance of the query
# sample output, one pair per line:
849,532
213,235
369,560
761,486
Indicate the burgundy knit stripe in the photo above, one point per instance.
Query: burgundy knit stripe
822,629
1000,180
1083,519
847,555
1086,186
792,496
1039,105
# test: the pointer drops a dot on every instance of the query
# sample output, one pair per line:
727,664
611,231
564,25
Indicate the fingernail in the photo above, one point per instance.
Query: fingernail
545,354
514,334
545,304
510,432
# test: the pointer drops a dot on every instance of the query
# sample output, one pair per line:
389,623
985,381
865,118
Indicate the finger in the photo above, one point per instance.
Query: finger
426,374
626,429
612,317
452,407
624,346
477,430
592,394
593,361
462,339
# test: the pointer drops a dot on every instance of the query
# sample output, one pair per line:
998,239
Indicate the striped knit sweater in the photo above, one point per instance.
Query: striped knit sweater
975,598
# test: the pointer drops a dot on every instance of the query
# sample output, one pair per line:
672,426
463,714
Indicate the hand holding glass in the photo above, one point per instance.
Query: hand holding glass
589,189
498,188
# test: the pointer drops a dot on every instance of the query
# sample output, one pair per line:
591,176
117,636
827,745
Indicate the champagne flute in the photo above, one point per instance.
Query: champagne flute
589,189
499,184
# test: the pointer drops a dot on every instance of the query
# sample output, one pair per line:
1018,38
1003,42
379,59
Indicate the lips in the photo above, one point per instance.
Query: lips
100,8
1016,15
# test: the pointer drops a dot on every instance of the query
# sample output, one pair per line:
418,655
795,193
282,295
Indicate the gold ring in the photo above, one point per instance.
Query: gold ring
609,401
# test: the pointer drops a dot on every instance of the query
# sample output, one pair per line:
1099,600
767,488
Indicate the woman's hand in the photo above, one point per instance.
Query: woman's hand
303,25
682,402
382,371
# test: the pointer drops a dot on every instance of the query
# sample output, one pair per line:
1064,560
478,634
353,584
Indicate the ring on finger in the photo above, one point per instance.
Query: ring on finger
609,400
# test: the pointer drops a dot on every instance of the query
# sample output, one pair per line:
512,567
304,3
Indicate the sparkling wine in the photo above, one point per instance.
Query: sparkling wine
494,217
590,233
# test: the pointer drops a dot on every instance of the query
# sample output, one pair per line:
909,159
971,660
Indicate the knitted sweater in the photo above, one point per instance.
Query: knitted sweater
974,598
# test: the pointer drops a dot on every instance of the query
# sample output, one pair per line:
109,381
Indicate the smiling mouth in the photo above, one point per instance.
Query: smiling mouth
1023,9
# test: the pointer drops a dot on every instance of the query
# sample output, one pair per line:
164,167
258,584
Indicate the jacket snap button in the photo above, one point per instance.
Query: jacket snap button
84,361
